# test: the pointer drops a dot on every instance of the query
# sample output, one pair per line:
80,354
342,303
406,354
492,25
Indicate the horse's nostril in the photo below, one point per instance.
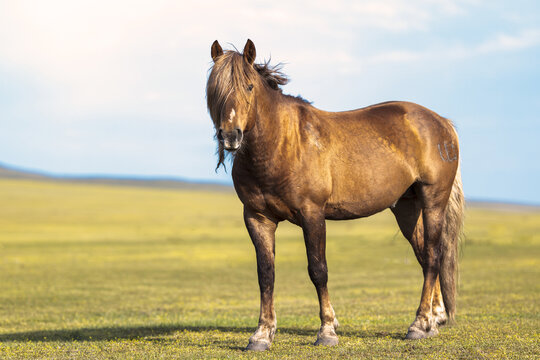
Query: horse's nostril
238,133
220,135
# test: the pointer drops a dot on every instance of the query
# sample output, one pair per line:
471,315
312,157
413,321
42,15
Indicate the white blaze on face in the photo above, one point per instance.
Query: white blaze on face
231,115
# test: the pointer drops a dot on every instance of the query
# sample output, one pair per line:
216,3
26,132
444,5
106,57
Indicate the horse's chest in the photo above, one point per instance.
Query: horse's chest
263,187
264,200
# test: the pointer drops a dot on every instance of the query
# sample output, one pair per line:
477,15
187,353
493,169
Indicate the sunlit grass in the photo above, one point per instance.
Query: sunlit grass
89,271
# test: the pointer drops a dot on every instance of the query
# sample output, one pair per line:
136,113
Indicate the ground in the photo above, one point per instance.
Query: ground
96,271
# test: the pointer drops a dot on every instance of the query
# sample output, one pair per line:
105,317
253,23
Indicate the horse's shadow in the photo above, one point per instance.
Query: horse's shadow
157,333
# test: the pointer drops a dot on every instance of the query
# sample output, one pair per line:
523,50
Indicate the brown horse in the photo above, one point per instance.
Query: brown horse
298,163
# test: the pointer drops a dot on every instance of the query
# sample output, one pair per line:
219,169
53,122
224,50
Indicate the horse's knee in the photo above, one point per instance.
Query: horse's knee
318,273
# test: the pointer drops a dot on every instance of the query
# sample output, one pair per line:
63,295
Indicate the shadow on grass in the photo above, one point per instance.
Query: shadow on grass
151,332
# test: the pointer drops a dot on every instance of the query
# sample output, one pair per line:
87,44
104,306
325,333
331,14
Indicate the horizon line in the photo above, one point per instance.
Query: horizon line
109,176
135,177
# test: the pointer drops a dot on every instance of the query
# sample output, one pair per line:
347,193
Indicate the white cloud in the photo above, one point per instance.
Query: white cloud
498,44
506,42
396,56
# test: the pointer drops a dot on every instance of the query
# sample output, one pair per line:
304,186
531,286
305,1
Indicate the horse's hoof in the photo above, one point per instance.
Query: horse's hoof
327,341
416,334
258,346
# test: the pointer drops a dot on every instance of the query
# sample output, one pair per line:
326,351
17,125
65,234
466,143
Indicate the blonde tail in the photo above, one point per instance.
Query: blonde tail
450,238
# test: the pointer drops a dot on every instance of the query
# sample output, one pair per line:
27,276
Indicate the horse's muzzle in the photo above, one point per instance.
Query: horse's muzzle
231,140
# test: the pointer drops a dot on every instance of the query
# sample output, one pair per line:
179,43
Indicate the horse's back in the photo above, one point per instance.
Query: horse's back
397,128
390,115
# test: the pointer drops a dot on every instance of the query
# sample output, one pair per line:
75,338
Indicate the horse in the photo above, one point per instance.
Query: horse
293,162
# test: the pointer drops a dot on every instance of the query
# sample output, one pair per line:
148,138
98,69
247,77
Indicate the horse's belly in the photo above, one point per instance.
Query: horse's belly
351,200
352,210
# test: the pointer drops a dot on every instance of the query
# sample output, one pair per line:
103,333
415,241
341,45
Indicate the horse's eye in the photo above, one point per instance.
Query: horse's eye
250,87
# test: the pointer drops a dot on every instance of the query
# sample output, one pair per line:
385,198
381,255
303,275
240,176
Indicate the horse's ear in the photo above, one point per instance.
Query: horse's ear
249,52
217,51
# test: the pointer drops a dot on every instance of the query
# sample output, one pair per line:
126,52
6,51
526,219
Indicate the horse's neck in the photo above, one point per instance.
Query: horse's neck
276,124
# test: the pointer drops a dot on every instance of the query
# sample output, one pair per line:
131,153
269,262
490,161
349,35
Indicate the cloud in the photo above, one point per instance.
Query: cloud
506,42
499,43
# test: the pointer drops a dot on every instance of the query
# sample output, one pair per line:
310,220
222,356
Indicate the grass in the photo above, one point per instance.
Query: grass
90,271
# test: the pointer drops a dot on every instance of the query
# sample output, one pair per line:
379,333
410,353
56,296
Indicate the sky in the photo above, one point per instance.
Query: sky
118,87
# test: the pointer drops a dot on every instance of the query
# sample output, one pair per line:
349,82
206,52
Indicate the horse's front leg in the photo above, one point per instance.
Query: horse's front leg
314,228
262,232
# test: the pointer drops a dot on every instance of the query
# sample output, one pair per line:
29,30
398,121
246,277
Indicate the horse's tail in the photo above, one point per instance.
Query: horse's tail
450,237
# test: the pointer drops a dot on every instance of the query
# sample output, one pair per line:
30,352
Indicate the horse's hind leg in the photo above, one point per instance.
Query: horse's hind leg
314,228
433,199
408,213
262,233
437,305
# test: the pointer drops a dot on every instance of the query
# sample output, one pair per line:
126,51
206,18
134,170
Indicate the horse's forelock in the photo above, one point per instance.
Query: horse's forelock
229,74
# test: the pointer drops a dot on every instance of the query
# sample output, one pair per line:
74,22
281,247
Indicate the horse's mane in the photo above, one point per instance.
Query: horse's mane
273,75
231,72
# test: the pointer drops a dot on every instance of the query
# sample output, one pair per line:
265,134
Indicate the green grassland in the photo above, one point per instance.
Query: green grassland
96,271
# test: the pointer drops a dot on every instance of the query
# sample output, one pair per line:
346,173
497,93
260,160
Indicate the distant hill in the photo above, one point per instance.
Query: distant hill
10,172
502,206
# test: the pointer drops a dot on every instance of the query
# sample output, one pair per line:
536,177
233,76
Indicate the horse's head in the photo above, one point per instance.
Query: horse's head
234,85
230,92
